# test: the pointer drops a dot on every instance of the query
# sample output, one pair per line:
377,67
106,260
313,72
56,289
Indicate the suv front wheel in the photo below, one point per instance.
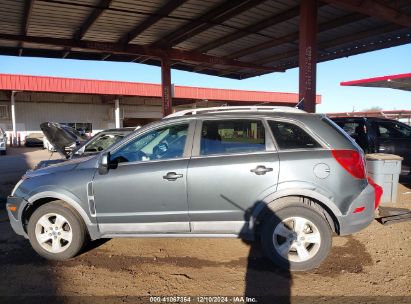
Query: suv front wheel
296,238
56,231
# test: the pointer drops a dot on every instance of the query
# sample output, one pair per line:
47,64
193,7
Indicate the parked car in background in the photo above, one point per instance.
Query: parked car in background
3,142
380,135
94,145
34,140
47,145
278,174
62,138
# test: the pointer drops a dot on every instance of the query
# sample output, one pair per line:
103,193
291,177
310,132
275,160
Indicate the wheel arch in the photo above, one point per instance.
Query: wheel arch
318,202
45,197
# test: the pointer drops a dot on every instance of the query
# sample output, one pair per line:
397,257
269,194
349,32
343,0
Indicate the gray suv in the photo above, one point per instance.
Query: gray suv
275,174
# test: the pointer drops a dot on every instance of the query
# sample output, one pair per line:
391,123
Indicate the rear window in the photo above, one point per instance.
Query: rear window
337,128
291,136
352,128
232,136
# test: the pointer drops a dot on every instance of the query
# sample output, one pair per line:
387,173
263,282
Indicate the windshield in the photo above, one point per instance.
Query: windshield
74,132
103,142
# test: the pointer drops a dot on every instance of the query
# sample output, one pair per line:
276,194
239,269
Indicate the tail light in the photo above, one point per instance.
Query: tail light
352,161
378,192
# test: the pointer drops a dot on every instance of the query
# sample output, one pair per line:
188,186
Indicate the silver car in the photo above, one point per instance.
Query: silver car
275,174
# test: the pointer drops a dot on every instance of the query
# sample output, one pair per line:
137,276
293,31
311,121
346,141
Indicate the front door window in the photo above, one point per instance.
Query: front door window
164,143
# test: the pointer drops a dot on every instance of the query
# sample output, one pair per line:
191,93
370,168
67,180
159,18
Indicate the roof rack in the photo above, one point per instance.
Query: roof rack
235,109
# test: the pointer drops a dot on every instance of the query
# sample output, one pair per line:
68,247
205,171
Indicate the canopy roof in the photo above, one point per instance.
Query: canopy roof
399,81
230,38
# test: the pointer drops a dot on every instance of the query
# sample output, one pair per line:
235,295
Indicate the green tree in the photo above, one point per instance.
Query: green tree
372,109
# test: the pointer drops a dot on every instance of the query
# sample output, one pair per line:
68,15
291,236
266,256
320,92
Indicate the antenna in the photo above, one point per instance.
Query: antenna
300,104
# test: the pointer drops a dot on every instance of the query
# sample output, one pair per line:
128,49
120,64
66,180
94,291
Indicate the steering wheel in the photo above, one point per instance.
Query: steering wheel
160,150
140,155
130,157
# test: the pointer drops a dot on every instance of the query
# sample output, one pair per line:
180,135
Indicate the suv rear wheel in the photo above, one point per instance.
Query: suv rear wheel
296,238
56,231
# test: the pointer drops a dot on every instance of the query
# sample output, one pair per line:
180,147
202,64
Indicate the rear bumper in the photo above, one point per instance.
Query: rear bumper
353,222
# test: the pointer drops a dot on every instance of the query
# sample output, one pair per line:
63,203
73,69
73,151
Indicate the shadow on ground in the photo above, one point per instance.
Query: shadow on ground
23,272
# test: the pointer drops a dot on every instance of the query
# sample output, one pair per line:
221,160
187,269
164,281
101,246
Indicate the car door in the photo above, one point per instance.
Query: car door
145,189
234,165
393,137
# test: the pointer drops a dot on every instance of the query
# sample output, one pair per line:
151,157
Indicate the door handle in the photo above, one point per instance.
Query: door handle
172,176
261,170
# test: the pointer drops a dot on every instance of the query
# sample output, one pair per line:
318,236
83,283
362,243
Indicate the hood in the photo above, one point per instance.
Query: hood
61,137
66,165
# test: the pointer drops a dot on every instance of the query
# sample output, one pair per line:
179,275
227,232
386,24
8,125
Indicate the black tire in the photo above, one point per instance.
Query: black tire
74,224
271,245
3,152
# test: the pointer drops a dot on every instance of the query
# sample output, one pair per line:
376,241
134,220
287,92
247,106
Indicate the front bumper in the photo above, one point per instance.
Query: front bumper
15,217
353,222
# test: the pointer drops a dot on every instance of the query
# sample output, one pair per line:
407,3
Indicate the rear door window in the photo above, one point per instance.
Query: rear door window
232,136
291,136
388,129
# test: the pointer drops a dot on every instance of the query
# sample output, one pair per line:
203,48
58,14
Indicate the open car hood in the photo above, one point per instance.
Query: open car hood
61,136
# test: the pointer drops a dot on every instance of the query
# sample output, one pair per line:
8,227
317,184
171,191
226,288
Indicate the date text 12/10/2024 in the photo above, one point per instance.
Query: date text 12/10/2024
202,299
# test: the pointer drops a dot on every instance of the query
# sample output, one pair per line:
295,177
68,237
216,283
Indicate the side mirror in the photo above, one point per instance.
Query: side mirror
104,164
80,151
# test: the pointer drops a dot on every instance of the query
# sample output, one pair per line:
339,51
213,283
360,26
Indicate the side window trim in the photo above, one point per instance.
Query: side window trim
269,145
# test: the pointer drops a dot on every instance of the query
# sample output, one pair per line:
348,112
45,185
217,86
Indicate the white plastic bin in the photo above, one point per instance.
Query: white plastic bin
385,170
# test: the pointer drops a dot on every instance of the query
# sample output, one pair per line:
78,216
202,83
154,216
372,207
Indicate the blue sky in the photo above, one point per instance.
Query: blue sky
391,61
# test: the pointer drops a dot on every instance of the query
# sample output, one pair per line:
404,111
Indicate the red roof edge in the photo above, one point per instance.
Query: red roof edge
374,79
125,88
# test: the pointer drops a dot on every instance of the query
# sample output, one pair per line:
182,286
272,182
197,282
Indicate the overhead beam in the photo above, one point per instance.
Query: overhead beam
254,28
234,10
289,38
213,17
162,12
333,43
399,40
28,11
358,49
342,51
375,9
88,23
134,49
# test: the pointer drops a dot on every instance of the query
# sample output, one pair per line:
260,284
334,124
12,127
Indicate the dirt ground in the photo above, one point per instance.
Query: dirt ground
370,266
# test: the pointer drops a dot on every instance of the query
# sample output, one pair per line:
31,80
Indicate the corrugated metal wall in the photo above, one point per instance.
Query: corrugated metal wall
30,115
